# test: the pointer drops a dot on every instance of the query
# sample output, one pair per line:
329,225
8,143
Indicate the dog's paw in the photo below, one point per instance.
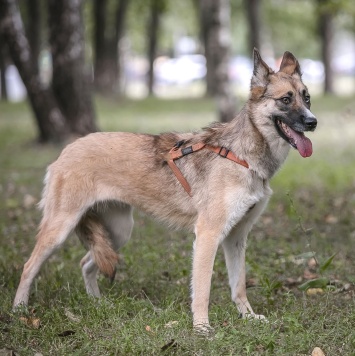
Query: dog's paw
20,308
203,329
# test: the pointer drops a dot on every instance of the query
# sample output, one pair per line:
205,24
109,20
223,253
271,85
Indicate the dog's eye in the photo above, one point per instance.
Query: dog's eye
307,99
286,100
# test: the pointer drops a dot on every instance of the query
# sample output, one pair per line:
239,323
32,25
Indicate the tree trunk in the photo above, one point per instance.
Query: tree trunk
326,34
205,23
71,79
120,27
49,118
218,40
153,30
106,46
34,31
105,57
3,52
252,8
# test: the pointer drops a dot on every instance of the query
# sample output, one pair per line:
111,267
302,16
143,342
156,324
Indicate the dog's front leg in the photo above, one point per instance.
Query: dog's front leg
234,246
205,248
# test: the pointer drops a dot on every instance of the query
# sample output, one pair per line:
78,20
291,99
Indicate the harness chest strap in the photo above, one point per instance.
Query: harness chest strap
176,152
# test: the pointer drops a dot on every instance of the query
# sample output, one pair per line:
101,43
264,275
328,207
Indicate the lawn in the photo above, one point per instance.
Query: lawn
306,234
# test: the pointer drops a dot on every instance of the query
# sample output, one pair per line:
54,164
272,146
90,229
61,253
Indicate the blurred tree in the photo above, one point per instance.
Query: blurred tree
290,25
3,65
33,30
325,22
49,118
215,18
157,7
253,10
107,37
71,80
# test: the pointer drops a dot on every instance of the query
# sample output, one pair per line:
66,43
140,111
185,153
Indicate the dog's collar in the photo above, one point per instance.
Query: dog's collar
177,152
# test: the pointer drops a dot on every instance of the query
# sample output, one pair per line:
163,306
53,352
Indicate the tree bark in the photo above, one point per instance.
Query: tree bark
106,46
205,23
120,29
252,8
105,54
34,31
50,120
326,34
71,78
217,47
3,65
153,30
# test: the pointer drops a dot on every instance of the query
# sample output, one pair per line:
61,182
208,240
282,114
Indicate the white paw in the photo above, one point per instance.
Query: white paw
203,329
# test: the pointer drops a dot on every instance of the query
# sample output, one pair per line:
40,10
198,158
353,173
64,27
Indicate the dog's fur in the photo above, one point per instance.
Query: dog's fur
96,181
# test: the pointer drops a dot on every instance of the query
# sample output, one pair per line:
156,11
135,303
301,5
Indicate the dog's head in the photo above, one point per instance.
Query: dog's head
285,99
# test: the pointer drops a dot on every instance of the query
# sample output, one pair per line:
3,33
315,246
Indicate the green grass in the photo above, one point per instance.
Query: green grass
146,310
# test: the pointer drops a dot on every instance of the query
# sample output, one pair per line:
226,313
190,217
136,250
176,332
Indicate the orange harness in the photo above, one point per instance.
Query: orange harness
176,152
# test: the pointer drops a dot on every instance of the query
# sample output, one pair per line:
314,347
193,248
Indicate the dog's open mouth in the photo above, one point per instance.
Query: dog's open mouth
296,139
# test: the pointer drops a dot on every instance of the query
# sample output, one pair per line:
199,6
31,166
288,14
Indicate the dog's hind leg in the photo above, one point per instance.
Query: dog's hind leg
118,219
51,235
89,270
103,230
234,246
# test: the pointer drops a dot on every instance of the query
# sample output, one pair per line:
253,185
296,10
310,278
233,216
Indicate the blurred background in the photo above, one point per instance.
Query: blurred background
60,53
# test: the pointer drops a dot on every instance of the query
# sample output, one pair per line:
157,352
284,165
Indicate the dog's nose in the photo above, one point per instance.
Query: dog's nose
310,122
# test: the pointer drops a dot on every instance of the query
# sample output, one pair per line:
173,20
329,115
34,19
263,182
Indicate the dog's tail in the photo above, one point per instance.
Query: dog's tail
95,237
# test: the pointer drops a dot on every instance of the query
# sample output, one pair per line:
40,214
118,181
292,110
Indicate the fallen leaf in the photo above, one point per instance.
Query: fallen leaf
331,219
307,274
31,322
314,291
171,323
312,263
317,352
71,316
292,282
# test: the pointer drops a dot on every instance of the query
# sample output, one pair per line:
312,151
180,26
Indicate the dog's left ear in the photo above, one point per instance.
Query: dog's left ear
290,65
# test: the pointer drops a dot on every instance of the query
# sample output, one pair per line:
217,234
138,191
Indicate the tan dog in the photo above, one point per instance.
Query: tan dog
96,181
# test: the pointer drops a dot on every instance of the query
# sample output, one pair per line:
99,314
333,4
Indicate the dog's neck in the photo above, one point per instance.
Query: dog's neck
256,142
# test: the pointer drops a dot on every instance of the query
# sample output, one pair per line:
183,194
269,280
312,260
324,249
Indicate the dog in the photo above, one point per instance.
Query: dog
214,182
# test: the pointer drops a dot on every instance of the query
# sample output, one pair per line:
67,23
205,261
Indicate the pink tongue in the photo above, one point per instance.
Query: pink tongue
304,144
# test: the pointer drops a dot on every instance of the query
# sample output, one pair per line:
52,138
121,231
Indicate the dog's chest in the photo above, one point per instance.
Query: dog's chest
242,202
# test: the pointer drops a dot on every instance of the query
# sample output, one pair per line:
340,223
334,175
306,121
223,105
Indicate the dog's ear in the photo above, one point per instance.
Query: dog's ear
289,64
261,71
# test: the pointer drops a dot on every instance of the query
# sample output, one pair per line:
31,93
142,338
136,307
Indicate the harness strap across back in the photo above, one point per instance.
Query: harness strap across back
176,152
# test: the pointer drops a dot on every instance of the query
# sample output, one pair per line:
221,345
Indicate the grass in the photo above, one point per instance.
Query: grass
146,310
